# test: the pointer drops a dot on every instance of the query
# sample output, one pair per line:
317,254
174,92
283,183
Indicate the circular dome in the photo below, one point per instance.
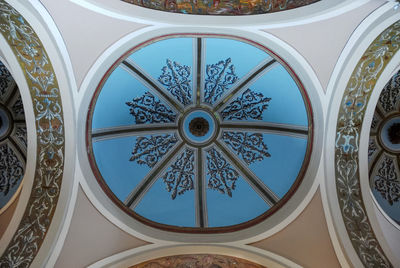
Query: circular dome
199,133
384,149
13,138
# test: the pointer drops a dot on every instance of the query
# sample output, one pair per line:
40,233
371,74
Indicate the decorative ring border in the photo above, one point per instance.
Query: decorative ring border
48,112
348,128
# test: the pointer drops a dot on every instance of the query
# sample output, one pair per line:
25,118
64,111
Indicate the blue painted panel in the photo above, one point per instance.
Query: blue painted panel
244,205
111,109
244,56
392,211
286,105
5,198
157,205
112,159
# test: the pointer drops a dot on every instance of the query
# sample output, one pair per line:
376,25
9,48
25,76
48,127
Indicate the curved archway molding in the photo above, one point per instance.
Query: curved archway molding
47,92
350,97
256,233
146,253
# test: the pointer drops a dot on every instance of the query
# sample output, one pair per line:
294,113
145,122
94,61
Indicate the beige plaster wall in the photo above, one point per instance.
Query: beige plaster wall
321,42
91,237
306,240
86,33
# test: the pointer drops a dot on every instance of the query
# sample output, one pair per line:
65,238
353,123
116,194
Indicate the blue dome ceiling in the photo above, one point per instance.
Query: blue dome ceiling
200,133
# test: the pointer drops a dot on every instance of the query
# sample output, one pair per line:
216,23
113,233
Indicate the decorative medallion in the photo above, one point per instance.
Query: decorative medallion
197,261
42,82
351,116
224,7
200,159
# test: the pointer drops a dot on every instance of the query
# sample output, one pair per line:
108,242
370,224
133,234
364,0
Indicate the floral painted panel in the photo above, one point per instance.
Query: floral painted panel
222,7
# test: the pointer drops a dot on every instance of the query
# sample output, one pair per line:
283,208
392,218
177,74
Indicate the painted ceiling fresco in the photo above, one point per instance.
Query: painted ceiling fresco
13,137
198,261
209,133
222,7
384,150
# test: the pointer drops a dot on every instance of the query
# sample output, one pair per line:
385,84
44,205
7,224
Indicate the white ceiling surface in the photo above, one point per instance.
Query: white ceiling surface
88,34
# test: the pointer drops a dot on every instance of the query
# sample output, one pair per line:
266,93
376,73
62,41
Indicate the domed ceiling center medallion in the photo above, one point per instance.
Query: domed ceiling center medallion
390,134
206,134
198,126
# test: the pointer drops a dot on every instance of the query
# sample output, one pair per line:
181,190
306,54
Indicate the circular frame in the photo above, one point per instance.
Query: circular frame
231,228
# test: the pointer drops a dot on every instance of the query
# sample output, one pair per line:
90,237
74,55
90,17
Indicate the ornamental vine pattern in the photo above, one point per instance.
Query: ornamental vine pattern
198,260
386,181
250,105
148,151
180,176
5,81
45,95
147,109
176,78
219,77
11,169
250,147
223,176
224,8
350,119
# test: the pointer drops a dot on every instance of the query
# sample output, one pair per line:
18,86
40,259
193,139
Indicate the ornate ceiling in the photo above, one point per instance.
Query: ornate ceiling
198,134
13,137
384,150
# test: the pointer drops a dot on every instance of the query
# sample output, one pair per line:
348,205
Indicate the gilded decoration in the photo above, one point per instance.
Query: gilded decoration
222,7
46,100
198,261
350,119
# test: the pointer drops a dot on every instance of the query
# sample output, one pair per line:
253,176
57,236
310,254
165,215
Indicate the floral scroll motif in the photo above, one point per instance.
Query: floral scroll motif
350,119
250,105
233,8
219,77
11,169
43,85
146,109
198,260
250,147
176,78
386,181
148,151
180,176
223,176
5,80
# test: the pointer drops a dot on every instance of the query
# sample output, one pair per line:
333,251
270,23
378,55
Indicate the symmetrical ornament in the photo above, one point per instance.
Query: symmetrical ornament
350,119
387,182
250,105
148,151
11,169
176,78
223,176
180,176
249,146
5,80
197,261
147,109
219,77
217,7
48,112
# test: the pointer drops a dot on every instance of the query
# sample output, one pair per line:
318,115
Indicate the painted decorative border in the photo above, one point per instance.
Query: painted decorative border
348,128
46,99
198,260
222,7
